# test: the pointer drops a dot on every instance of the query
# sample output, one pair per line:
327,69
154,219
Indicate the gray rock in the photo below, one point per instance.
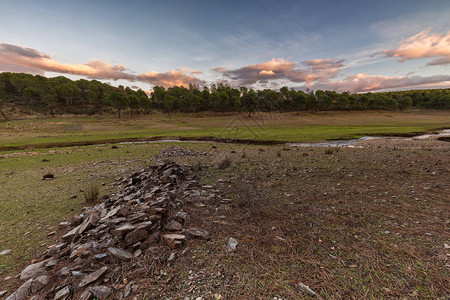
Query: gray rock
124,229
198,233
306,289
174,240
145,225
86,295
93,277
120,254
101,291
232,244
68,237
34,270
22,292
63,293
101,256
135,236
3,293
39,283
4,252
173,226
89,223
128,290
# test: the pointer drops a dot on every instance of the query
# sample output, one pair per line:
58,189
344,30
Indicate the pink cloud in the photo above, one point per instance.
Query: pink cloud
367,83
171,78
22,59
423,45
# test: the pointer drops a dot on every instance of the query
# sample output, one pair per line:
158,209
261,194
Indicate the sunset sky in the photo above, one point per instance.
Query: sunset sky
336,45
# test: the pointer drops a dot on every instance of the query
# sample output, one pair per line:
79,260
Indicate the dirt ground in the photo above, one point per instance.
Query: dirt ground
350,223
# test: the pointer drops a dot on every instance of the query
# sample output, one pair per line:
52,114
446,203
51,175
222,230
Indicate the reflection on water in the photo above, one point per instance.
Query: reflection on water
350,143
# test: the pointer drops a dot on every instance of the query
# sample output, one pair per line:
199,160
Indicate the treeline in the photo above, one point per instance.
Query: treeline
59,95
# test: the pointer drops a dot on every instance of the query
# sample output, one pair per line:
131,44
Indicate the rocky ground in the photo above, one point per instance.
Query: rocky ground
272,223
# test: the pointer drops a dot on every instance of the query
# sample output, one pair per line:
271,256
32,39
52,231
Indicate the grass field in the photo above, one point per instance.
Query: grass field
29,133
353,223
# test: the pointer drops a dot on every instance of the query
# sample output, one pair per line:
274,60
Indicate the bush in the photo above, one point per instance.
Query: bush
91,193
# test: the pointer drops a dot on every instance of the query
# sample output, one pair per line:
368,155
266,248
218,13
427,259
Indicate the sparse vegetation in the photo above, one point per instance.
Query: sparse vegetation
224,163
91,193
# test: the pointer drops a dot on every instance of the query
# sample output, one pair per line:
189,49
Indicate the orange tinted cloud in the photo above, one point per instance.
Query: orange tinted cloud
21,59
171,78
266,72
423,45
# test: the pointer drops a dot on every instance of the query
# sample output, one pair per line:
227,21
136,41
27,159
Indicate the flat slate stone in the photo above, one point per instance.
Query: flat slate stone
93,276
120,254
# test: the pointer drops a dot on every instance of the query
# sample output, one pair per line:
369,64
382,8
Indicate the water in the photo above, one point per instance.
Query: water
350,143
337,143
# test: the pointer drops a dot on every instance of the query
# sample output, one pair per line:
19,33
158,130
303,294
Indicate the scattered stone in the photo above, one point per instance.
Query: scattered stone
232,244
173,226
68,237
101,291
124,229
33,270
22,292
63,293
93,277
174,240
86,295
121,227
3,293
39,283
306,289
4,252
198,233
135,236
120,254
128,290
64,224
48,176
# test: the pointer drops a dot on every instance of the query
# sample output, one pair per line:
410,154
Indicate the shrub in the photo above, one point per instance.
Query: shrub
91,193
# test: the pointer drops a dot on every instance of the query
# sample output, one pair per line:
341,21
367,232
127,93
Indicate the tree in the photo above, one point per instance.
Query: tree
404,103
119,101
250,102
2,100
312,102
133,101
68,92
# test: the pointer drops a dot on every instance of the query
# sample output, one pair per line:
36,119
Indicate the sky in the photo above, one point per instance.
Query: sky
356,46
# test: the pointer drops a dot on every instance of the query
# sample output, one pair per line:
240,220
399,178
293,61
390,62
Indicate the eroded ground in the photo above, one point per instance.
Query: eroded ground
348,222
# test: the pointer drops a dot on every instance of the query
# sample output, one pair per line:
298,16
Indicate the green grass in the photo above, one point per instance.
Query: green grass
264,127
30,207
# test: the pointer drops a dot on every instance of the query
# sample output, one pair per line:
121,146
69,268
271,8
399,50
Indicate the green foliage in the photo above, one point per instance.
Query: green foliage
61,95
404,102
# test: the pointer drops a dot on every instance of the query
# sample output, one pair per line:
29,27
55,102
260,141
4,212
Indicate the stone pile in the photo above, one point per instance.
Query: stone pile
175,151
147,216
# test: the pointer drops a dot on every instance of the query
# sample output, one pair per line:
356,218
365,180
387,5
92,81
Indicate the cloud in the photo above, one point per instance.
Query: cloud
219,70
266,72
280,69
367,83
23,51
171,78
22,59
423,45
